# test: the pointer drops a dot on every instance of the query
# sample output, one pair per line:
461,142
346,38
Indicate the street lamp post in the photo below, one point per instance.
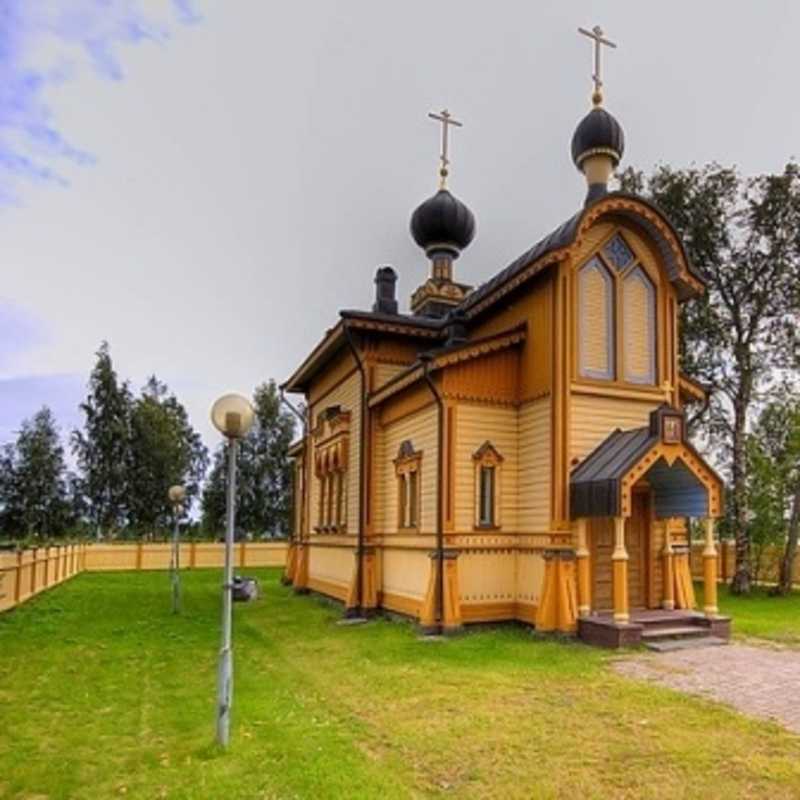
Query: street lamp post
232,415
176,495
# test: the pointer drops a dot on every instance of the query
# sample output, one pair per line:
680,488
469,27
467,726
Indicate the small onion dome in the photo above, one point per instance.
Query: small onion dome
443,224
598,133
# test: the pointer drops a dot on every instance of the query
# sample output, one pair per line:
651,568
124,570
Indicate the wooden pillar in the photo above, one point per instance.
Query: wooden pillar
620,577
668,601
584,584
710,571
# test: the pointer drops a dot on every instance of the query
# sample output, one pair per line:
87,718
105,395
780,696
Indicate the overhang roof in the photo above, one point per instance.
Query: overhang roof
599,484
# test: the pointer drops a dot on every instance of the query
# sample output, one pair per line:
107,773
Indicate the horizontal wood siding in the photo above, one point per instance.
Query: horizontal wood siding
593,418
476,424
332,565
534,466
420,428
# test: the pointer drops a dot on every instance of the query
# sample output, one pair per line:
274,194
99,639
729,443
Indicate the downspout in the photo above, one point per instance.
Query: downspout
298,535
426,359
361,469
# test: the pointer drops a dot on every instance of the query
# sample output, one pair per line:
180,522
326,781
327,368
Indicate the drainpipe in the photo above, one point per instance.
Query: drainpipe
361,469
426,360
298,535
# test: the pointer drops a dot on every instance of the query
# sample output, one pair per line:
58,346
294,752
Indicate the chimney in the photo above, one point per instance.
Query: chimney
385,296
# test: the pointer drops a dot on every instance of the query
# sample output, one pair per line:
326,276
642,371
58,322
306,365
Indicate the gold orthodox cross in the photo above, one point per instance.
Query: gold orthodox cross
447,120
596,35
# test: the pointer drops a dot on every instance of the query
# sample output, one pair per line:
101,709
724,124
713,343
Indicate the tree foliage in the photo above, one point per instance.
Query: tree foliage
34,496
263,475
774,482
164,450
102,447
737,339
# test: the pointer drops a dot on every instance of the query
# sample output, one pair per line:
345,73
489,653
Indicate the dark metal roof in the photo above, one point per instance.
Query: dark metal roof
594,484
406,320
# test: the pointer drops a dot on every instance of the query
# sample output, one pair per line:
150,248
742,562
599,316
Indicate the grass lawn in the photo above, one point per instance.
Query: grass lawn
105,694
759,615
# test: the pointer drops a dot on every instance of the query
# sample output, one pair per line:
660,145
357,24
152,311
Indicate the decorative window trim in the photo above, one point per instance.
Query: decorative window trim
331,445
595,264
487,457
409,489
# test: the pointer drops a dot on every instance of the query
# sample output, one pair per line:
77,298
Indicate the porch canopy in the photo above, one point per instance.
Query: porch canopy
682,483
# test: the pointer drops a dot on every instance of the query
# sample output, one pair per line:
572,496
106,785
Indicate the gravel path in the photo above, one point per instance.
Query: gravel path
760,681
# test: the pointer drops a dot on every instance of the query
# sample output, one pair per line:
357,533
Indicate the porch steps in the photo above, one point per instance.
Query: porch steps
650,633
670,645
656,629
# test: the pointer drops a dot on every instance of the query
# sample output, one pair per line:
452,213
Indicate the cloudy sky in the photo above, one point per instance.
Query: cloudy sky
248,174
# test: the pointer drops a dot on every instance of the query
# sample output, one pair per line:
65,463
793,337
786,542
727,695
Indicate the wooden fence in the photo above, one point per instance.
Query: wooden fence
26,573
766,564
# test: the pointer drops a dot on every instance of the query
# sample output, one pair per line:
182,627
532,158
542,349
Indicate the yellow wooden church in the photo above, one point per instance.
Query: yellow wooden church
515,451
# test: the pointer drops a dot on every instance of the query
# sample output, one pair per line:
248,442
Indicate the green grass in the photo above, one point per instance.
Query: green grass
760,615
103,693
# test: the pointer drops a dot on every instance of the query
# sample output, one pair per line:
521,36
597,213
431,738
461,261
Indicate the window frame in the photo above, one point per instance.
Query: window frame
618,276
487,461
409,492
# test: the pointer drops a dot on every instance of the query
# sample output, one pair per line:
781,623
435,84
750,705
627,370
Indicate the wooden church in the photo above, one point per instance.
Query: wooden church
515,451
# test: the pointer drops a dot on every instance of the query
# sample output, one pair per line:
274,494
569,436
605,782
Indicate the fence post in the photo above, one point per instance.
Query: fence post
192,554
46,567
242,554
33,570
139,554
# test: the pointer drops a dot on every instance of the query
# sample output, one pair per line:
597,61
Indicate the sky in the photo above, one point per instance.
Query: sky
225,184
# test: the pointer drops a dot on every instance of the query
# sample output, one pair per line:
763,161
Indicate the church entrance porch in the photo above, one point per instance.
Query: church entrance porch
631,500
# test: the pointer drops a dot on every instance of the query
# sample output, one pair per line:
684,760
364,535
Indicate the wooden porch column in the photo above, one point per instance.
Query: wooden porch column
620,577
710,571
582,556
668,602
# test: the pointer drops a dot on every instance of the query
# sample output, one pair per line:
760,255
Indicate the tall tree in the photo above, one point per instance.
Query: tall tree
102,448
33,493
263,477
745,235
774,449
164,450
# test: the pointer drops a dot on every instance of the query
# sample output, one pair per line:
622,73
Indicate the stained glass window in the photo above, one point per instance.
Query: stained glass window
618,252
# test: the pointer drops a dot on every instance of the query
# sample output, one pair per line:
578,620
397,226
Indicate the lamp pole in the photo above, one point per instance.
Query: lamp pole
232,415
176,495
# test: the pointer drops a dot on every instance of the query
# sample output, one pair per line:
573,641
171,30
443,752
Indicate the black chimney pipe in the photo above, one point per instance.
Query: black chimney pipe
385,297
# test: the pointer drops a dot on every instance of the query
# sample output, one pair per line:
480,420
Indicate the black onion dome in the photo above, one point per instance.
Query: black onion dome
598,133
443,222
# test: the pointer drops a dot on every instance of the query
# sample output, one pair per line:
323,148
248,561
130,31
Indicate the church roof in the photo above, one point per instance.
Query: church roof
553,247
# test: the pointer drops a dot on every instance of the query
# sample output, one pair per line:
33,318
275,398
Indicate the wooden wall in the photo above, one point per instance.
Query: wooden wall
341,385
420,428
474,425
535,466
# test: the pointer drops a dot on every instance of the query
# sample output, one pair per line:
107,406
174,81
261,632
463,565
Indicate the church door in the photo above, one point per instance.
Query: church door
601,539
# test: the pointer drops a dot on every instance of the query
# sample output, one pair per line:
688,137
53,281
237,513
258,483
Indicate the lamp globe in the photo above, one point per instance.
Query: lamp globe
232,415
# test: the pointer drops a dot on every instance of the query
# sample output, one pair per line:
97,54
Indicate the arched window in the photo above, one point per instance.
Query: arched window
616,304
639,327
595,321
488,467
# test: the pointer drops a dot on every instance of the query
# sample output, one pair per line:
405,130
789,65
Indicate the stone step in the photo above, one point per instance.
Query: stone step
670,645
673,631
